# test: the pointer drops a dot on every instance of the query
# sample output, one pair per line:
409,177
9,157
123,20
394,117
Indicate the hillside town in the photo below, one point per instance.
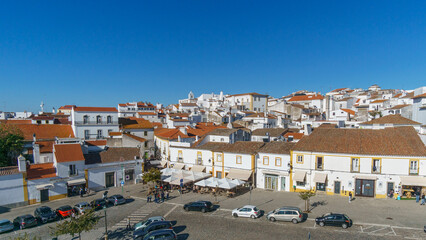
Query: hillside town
346,142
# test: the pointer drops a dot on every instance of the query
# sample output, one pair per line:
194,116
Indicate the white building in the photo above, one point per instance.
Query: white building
268,134
94,122
132,108
419,105
249,101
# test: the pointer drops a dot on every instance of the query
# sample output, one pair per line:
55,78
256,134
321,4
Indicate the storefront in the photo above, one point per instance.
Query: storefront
365,187
271,182
410,185
320,180
74,186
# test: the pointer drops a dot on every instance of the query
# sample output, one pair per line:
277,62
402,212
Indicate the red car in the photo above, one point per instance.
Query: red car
64,211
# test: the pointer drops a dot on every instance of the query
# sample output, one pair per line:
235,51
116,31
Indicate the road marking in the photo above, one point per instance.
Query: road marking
377,230
171,210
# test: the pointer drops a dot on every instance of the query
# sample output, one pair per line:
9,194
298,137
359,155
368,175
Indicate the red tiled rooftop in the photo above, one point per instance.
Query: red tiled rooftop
68,153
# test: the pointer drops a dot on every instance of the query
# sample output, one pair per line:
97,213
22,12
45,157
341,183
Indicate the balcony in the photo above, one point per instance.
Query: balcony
94,123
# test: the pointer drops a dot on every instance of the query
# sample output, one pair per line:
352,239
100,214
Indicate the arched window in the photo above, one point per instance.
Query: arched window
109,119
98,119
85,119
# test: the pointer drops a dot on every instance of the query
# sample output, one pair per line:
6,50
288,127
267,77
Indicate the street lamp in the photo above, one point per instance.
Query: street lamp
106,224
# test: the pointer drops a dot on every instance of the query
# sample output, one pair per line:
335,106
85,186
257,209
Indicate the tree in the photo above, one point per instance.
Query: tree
11,144
306,195
153,175
77,225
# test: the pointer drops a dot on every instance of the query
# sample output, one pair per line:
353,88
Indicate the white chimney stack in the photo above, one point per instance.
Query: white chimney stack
22,164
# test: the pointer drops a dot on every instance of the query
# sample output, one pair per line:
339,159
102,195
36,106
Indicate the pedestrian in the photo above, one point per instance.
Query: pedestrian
158,198
72,214
167,195
350,197
423,199
417,195
162,196
128,227
81,192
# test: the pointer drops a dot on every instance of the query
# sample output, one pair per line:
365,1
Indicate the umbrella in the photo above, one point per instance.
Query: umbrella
177,181
227,185
167,171
213,182
238,181
202,183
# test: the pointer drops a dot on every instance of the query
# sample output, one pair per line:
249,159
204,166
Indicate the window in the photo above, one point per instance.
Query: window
414,167
199,158
265,160
355,165
219,157
300,184
299,159
320,163
219,174
376,165
99,134
222,140
98,119
180,156
278,161
146,144
109,130
145,133
109,119
72,170
85,119
320,187
86,134
239,159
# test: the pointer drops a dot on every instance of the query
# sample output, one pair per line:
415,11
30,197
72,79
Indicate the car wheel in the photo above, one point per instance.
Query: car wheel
344,225
252,217
295,221
21,227
272,219
186,209
203,210
321,224
235,215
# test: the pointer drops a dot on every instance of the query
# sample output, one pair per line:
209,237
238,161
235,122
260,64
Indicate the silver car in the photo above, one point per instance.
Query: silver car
246,211
82,207
148,221
289,214
116,200
6,226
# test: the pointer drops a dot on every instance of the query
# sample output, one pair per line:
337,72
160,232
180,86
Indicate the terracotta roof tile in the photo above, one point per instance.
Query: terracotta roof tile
96,142
112,155
294,135
46,146
277,147
392,119
420,96
9,170
135,137
273,132
114,133
306,98
352,112
68,152
252,93
138,123
238,147
400,106
15,121
45,131
39,171
380,101
95,109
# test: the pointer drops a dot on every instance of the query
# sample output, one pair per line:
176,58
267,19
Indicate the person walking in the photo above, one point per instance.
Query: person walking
350,197
423,200
81,192
162,196
167,195
128,227
417,196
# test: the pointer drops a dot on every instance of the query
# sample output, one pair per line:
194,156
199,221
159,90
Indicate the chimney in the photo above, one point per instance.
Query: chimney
179,139
22,164
183,130
196,138
36,153
34,138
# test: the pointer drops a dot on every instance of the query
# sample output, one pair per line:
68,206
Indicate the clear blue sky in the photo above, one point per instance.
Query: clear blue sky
100,53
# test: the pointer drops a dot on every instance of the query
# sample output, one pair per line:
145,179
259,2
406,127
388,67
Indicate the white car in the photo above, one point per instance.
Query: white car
147,222
247,211
82,207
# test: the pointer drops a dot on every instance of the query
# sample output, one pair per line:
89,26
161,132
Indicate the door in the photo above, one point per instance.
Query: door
364,187
44,195
109,179
337,187
390,188
282,183
280,215
271,182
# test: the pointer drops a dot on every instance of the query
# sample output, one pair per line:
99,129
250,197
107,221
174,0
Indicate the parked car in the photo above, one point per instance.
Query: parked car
147,222
64,211
203,206
25,221
45,214
247,211
81,208
6,226
116,200
163,234
289,214
141,232
334,219
98,203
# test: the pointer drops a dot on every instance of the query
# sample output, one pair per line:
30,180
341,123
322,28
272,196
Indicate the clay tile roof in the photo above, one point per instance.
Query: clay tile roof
420,96
277,147
68,152
135,137
39,171
45,131
295,135
114,133
397,95
327,125
352,112
252,93
188,104
273,132
9,170
392,119
400,106
46,146
139,123
112,155
222,131
170,133
96,142
306,98
339,89
238,147
146,113
409,95
380,101
67,107
397,141
95,109
15,122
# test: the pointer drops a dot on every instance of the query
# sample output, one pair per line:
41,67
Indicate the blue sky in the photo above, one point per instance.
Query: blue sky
100,53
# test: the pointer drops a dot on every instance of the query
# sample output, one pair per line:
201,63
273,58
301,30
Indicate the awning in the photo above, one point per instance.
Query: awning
281,173
163,163
45,186
239,174
366,177
198,168
179,166
299,176
78,181
320,177
413,181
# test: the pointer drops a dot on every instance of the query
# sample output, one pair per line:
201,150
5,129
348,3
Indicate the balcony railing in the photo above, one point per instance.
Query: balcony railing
95,123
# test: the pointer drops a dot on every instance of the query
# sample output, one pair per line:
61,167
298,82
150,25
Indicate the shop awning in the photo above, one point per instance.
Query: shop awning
179,166
320,177
239,174
413,181
45,186
163,163
366,177
299,176
78,181
198,168
280,173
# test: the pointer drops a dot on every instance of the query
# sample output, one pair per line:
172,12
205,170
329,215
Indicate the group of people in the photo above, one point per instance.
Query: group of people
79,191
420,196
160,194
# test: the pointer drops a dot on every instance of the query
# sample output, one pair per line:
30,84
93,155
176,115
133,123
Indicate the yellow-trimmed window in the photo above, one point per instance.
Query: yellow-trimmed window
199,158
219,157
376,165
355,164
278,161
265,160
319,163
180,156
299,159
239,160
414,167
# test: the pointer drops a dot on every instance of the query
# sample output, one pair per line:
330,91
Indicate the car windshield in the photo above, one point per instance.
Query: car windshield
28,218
146,222
4,224
120,197
45,210
65,208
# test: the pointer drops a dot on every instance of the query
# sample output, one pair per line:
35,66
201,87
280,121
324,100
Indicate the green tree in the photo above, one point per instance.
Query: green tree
306,195
76,225
25,237
153,175
11,142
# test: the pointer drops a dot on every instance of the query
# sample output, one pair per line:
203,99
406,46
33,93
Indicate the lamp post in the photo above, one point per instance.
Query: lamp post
122,176
106,224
